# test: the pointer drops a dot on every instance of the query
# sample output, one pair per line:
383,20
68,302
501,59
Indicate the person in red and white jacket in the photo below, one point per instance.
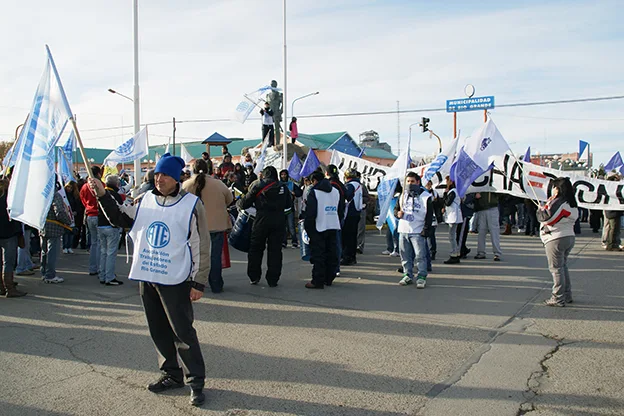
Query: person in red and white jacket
557,218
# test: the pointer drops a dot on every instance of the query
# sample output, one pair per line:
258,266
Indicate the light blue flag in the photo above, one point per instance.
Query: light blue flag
65,159
310,164
476,156
442,162
527,156
33,184
134,148
294,168
385,192
614,163
11,157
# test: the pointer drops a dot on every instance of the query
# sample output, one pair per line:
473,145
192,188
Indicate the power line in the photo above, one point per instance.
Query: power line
392,112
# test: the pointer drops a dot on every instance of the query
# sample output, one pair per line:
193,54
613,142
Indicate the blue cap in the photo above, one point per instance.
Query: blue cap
170,166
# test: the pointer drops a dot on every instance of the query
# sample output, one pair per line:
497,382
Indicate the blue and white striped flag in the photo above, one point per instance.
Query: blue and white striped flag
245,107
65,159
442,163
33,183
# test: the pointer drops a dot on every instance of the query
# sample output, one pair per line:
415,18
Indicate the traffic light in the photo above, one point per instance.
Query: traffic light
424,123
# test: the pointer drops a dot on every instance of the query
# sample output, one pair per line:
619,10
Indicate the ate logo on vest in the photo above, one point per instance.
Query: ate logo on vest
158,234
330,209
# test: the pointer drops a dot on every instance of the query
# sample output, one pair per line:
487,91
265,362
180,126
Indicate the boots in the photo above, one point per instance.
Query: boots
452,260
9,285
507,229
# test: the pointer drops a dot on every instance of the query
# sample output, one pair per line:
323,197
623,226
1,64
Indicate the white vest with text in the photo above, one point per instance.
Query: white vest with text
452,213
327,210
414,213
358,199
162,252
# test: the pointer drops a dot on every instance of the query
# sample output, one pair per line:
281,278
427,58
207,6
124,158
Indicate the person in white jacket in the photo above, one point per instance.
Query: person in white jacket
557,218
453,217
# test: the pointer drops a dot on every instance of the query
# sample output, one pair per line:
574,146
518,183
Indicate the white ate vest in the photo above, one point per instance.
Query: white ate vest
452,213
414,213
162,252
327,210
358,197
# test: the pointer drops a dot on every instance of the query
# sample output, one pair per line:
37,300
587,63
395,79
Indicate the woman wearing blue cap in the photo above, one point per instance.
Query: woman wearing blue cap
171,261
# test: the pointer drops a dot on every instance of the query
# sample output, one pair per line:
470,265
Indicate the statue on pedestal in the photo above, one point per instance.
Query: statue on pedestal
275,99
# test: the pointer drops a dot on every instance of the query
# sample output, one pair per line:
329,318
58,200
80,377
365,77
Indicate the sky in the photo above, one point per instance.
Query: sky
197,58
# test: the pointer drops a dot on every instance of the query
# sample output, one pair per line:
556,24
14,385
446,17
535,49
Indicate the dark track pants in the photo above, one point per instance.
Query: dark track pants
268,231
169,316
349,237
323,256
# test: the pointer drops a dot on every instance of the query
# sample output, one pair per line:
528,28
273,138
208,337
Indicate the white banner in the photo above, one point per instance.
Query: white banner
510,176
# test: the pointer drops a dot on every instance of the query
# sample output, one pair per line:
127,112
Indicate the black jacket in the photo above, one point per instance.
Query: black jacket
102,220
268,196
311,211
8,228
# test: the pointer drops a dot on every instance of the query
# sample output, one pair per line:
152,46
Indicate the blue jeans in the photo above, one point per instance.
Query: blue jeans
68,239
290,227
413,248
215,278
109,244
432,246
50,248
24,261
392,240
94,251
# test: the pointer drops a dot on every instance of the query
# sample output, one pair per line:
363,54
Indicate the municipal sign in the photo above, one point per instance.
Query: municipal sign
469,104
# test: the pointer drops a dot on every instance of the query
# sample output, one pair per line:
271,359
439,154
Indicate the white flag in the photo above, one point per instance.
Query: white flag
133,149
185,155
245,107
33,183
262,157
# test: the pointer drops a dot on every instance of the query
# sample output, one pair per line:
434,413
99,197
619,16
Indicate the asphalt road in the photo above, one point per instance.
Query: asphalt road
476,341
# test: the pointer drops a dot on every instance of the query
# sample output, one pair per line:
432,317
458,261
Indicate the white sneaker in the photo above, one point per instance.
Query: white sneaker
394,254
406,281
337,274
386,253
64,251
70,251
55,279
420,283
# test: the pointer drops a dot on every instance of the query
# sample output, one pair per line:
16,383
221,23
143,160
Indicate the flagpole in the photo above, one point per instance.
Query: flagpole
12,149
81,148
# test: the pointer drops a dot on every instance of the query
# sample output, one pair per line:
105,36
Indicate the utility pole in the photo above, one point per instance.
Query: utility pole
399,128
174,131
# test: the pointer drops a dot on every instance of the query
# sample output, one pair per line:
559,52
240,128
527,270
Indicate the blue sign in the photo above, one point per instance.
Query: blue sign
469,104
158,234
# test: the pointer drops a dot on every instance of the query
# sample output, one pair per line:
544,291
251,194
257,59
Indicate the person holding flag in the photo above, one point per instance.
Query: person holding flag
415,213
295,192
171,262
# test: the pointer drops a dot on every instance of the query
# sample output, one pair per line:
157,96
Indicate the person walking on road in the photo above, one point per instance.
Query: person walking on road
557,218
171,262
355,201
11,237
270,198
109,237
487,216
453,217
57,222
361,235
415,213
91,211
324,208
216,197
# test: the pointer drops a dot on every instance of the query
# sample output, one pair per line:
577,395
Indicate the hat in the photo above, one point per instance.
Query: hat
170,166
351,173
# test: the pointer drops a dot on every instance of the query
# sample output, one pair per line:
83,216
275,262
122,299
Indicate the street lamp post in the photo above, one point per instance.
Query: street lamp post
137,122
292,106
112,91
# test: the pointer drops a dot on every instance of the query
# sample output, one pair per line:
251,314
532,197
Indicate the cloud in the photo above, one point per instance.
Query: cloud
198,58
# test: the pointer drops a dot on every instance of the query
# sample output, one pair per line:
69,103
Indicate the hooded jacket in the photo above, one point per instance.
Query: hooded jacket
269,196
311,211
556,219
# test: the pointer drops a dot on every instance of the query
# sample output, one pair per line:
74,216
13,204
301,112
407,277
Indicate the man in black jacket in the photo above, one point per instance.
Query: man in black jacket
271,199
324,208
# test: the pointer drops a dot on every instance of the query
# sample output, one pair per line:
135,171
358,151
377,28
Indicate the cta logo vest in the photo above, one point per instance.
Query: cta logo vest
162,252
